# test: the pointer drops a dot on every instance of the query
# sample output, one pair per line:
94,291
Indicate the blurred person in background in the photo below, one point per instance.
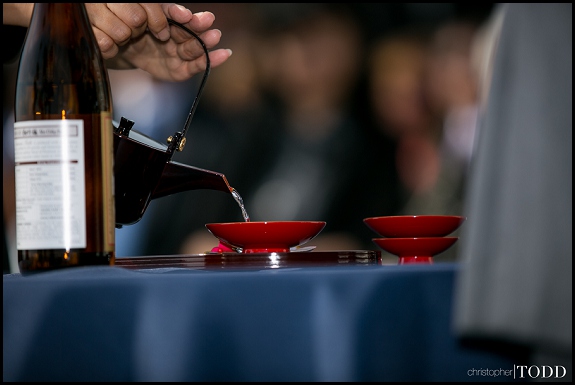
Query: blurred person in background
450,91
396,80
314,56
515,289
451,94
405,131
423,89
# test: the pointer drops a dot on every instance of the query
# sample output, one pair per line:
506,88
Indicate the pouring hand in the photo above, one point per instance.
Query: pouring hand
137,35
167,54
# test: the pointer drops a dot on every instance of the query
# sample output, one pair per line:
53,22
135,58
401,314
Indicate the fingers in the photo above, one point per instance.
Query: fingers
122,21
156,17
219,56
194,67
157,14
188,47
107,45
106,21
192,49
177,12
135,16
199,23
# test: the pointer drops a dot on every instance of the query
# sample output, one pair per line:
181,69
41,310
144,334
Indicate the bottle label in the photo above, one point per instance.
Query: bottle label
50,180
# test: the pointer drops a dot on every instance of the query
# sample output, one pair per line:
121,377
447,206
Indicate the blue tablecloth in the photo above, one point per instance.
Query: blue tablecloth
340,323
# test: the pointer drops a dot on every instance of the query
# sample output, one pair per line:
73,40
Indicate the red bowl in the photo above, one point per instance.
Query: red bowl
413,226
415,250
265,237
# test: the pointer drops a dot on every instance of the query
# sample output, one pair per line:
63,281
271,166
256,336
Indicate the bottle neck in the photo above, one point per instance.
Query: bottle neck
61,66
62,21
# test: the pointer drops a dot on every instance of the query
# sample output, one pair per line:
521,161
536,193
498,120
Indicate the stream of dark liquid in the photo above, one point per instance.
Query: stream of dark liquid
240,201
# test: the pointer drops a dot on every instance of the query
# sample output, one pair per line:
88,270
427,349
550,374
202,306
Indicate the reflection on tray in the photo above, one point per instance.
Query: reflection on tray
254,260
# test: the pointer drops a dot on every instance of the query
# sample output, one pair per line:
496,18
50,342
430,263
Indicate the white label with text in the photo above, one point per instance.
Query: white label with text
50,184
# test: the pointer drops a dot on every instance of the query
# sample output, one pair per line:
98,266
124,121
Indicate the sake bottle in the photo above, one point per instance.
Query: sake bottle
63,142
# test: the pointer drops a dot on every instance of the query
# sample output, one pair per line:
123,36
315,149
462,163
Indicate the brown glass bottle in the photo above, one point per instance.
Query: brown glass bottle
63,135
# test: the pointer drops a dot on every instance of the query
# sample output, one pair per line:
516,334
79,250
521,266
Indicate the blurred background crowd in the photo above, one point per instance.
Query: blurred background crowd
331,112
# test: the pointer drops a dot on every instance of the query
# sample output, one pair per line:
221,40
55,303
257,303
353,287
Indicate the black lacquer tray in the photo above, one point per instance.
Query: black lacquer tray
254,260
